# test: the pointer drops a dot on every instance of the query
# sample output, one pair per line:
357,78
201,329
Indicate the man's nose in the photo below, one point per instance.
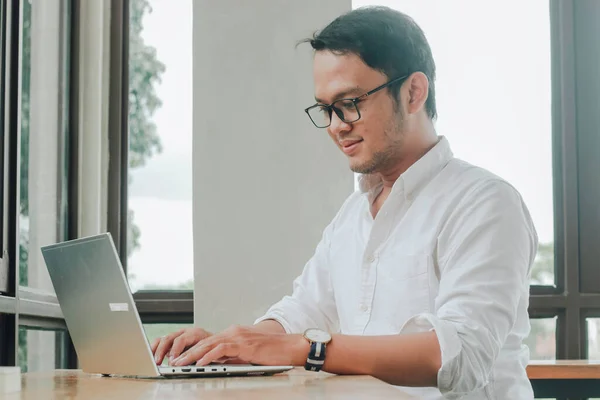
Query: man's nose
338,126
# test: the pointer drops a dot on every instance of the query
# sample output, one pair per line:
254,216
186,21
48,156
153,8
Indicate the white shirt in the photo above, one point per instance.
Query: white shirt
451,249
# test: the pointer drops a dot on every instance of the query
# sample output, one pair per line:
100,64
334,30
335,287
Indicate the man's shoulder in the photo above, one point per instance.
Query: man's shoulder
463,177
470,188
463,170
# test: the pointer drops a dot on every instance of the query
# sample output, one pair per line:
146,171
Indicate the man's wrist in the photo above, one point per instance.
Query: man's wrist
300,348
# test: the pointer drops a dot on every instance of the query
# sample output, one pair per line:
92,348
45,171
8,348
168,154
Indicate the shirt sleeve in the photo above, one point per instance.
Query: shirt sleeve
485,254
311,304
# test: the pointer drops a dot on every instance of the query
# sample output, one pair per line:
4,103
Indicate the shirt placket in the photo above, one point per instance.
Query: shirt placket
379,233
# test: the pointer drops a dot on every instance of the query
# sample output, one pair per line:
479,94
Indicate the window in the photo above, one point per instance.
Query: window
160,247
542,339
41,350
36,39
43,151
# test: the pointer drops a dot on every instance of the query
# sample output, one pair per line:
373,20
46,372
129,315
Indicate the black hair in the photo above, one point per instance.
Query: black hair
386,40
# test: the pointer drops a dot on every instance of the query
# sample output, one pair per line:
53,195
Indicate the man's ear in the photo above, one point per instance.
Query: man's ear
417,91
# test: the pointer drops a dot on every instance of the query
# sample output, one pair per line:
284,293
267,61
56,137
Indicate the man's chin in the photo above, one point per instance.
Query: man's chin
362,168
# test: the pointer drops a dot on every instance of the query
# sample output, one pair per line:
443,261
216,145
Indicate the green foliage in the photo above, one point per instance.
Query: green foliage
24,174
145,72
22,351
25,89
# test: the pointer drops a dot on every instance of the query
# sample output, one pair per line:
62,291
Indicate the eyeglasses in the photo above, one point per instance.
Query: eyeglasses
346,109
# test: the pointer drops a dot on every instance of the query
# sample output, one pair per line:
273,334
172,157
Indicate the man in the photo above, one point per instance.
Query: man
421,279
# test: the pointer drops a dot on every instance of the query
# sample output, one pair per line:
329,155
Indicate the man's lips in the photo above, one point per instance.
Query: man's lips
349,145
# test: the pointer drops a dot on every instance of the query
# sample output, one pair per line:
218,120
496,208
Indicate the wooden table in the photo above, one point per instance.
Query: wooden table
294,384
565,378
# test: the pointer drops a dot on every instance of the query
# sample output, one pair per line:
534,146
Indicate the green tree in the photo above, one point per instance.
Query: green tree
24,174
145,72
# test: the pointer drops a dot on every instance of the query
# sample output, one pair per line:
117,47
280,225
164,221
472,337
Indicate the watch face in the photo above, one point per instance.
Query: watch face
317,335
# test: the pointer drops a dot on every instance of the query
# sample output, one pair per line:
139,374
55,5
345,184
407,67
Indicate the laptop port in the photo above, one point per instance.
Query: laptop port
186,370
199,369
214,370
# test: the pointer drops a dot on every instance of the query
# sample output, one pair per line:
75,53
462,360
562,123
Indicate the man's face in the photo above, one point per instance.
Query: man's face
373,143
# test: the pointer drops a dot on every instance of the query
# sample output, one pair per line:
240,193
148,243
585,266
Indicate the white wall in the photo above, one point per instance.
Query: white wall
266,181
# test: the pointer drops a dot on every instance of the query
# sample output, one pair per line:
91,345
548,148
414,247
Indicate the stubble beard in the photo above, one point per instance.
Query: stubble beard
387,158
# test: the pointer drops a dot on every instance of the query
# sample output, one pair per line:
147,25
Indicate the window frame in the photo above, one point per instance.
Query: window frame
26,307
154,306
571,125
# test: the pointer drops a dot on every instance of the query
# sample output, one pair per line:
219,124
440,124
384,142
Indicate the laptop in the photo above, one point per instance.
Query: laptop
103,321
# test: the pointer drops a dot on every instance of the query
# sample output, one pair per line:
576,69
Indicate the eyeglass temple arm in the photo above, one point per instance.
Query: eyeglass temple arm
382,86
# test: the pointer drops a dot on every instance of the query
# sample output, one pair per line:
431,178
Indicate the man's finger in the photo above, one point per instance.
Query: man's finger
196,352
154,344
223,350
161,349
164,346
180,344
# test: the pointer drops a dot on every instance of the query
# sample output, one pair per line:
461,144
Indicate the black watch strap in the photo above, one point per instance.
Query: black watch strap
316,357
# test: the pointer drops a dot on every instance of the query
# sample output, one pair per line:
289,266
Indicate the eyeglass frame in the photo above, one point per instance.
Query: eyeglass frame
354,101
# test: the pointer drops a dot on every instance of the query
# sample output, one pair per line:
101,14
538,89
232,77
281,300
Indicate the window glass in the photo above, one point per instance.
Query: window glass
542,339
593,336
40,350
160,246
42,122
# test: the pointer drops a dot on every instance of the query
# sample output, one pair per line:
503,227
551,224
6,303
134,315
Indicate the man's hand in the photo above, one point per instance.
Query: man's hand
248,344
176,342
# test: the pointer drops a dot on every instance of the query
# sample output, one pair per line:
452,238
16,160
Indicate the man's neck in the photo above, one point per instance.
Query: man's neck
412,153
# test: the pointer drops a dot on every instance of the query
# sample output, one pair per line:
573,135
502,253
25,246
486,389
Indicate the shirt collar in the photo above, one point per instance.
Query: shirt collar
416,176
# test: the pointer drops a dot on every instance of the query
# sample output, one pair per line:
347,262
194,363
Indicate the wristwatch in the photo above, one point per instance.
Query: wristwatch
318,340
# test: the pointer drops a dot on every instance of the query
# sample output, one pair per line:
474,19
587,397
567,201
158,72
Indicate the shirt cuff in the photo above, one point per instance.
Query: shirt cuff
277,317
450,345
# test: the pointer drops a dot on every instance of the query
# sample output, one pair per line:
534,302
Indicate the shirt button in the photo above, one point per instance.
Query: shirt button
371,258
364,308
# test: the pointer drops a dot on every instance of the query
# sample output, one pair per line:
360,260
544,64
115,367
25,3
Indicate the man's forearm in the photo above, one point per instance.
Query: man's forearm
405,360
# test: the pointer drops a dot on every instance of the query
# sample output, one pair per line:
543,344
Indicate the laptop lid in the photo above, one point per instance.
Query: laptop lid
98,307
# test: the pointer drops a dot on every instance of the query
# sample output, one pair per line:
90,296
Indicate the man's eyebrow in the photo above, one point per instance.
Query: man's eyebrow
343,94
